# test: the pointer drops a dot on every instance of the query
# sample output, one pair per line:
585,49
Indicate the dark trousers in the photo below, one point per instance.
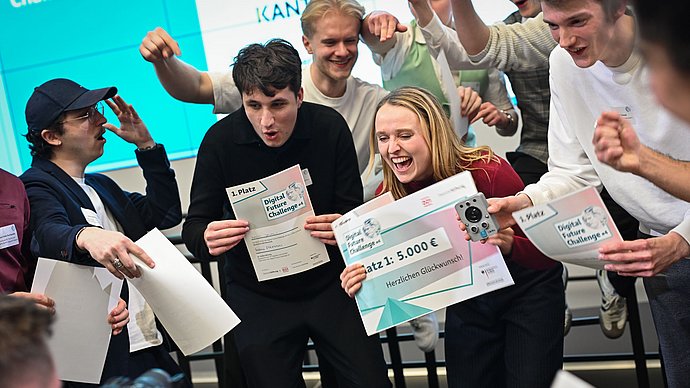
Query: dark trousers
669,300
144,360
512,337
271,339
140,362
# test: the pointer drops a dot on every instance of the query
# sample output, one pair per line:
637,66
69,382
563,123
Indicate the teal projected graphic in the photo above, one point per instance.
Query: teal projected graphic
96,44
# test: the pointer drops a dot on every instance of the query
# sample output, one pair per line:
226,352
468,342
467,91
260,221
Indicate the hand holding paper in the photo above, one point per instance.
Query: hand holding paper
41,300
119,317
320,227
108,247
352,277
503,208
221,236
645,258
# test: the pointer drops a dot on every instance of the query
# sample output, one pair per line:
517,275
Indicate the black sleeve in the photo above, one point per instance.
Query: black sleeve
207,197
160,207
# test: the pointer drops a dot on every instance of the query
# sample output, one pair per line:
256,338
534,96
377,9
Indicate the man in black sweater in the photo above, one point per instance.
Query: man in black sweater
272,131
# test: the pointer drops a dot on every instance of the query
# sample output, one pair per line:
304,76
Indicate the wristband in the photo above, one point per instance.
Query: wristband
511,119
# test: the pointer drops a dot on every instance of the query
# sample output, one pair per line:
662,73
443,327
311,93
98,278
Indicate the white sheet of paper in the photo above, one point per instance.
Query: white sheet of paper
188,307
460,123
568,380
84,296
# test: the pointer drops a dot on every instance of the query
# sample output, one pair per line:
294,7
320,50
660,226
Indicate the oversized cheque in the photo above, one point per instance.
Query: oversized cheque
416,256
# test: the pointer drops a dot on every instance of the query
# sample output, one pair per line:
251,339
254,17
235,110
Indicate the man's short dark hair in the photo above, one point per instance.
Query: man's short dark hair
38,146
663,23
269,67
24,329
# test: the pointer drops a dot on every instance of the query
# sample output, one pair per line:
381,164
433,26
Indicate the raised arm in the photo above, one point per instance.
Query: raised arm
181,80
518,46
440,37
160,207
378,31
473,33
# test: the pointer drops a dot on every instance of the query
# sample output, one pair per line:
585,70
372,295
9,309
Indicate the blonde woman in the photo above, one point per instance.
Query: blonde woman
509,337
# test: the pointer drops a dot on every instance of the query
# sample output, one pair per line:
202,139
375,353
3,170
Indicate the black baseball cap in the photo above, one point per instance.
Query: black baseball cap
59,95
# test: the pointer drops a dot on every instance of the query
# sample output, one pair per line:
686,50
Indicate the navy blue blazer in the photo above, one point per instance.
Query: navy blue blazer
56,202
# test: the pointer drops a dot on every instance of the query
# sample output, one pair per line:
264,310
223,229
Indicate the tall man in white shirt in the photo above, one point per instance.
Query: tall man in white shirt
596,69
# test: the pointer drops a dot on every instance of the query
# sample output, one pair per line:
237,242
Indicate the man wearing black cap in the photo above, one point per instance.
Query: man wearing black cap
87,218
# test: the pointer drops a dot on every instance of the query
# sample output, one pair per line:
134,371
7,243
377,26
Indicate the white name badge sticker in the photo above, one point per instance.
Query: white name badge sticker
8,236
626,112
91,217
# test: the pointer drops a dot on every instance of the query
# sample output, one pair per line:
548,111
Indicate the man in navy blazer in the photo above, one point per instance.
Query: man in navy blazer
87,218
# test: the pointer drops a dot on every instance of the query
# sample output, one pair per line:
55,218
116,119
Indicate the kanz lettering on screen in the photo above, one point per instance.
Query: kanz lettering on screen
279,10
24,3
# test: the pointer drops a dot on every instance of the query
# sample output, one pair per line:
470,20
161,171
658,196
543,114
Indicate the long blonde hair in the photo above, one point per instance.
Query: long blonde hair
449,156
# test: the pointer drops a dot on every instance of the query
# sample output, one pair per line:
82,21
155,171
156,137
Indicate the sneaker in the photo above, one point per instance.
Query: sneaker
425,331
568,316
613,312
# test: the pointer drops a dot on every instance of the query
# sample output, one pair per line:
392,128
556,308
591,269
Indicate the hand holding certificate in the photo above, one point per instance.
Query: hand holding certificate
415,255
570,229
193,314
277,208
